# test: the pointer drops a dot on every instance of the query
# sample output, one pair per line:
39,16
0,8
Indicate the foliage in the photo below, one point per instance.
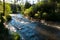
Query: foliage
45,10
15,36
8,18
13,8
3,31
18,8
28,11
27,5
1,7
7,8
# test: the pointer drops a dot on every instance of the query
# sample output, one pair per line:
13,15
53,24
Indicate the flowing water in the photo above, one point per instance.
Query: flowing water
28,29
24,27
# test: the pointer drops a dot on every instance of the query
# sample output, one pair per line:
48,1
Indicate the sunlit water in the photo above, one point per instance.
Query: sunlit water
24,27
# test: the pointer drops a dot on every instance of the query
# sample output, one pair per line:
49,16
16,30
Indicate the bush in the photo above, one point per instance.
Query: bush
27,5
46,11
28,11
7,8
1,18
4,34
8,18
15,36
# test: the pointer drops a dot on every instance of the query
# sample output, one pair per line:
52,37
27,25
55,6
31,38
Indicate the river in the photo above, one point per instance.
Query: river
27,28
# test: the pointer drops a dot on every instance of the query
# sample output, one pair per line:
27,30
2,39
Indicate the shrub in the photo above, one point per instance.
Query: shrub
28,11
27,5
46,11
8,18
15,36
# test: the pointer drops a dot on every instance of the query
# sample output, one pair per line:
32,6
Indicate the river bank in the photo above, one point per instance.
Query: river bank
47,23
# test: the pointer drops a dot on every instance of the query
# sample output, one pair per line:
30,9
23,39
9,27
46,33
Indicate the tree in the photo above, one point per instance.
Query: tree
3,7
7,9
27,5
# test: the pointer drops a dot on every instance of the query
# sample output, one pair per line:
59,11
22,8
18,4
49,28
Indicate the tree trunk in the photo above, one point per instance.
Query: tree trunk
3,7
